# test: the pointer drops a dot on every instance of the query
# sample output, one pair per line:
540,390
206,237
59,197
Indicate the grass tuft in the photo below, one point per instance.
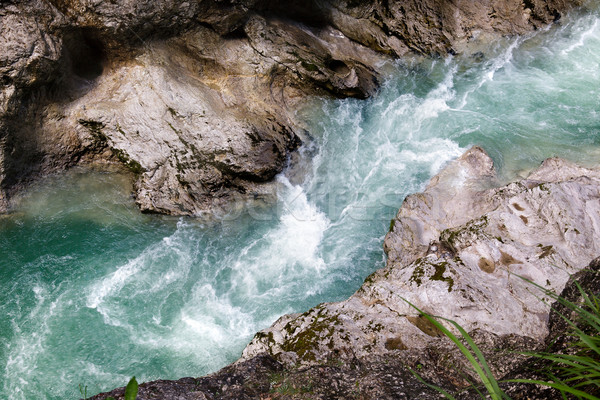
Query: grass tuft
578,372
575,374
471,352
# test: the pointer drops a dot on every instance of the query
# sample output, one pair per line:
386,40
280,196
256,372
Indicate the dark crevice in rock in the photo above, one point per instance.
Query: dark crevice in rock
339,67
309,13
86,54
238,33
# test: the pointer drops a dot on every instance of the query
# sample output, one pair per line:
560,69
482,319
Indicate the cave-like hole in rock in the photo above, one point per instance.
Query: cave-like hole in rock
307,12
86,54
238,33
339,67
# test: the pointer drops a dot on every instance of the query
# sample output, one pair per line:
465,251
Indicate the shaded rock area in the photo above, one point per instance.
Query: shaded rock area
264,378
560,339
197,98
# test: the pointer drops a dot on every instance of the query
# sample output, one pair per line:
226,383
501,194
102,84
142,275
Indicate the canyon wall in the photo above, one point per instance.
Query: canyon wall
197,98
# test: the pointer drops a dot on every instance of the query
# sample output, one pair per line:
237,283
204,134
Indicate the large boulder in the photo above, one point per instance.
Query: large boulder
465,250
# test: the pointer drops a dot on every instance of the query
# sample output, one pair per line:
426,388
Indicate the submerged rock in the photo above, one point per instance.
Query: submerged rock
197,98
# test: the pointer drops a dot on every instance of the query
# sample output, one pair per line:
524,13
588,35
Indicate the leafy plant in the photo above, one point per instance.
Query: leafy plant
470,351
576,374
83,391
131,390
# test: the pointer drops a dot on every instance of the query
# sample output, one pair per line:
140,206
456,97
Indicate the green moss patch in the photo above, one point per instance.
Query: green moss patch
95,128
425,269
130,163
320,331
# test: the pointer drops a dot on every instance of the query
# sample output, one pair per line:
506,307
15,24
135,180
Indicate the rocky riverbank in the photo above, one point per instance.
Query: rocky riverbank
458,250
383,376
464,250
197,99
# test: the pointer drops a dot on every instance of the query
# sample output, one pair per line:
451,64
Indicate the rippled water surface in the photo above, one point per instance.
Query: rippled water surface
93,292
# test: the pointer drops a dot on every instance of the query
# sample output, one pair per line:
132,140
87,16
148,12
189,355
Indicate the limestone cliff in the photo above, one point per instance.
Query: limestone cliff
197,98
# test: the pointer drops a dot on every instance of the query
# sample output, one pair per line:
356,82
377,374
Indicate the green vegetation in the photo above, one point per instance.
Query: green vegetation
470,351
131,390
423,270
578,373
172,111
462,237
83,391
309,66
321,329
95,128
281,384
130,163
575,374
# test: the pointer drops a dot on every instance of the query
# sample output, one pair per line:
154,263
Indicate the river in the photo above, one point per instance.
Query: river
93,292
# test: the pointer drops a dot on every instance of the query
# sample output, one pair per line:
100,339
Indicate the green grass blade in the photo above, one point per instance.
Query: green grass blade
586,374
479,355
492,388
431,386
571,361
557,386
589,342
131,390
572,372
593,319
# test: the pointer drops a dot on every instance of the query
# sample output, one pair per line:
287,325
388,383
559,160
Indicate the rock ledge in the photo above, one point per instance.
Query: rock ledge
197,99
462,250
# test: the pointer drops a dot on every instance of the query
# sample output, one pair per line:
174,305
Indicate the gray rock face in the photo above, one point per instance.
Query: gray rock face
203,118
432,26
197,98
204,122
462,250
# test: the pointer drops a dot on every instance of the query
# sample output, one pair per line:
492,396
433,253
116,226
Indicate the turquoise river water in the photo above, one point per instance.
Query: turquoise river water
93,292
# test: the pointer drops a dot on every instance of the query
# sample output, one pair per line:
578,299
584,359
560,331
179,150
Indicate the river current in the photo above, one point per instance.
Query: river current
93,292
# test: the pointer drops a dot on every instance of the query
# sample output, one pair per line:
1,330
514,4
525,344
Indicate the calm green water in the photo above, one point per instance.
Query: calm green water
94,292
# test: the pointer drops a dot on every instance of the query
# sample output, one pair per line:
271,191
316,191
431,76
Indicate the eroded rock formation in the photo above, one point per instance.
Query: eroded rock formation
197,98
463,250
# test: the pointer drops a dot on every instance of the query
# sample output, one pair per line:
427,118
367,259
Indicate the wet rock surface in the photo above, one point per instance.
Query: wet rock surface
197,98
